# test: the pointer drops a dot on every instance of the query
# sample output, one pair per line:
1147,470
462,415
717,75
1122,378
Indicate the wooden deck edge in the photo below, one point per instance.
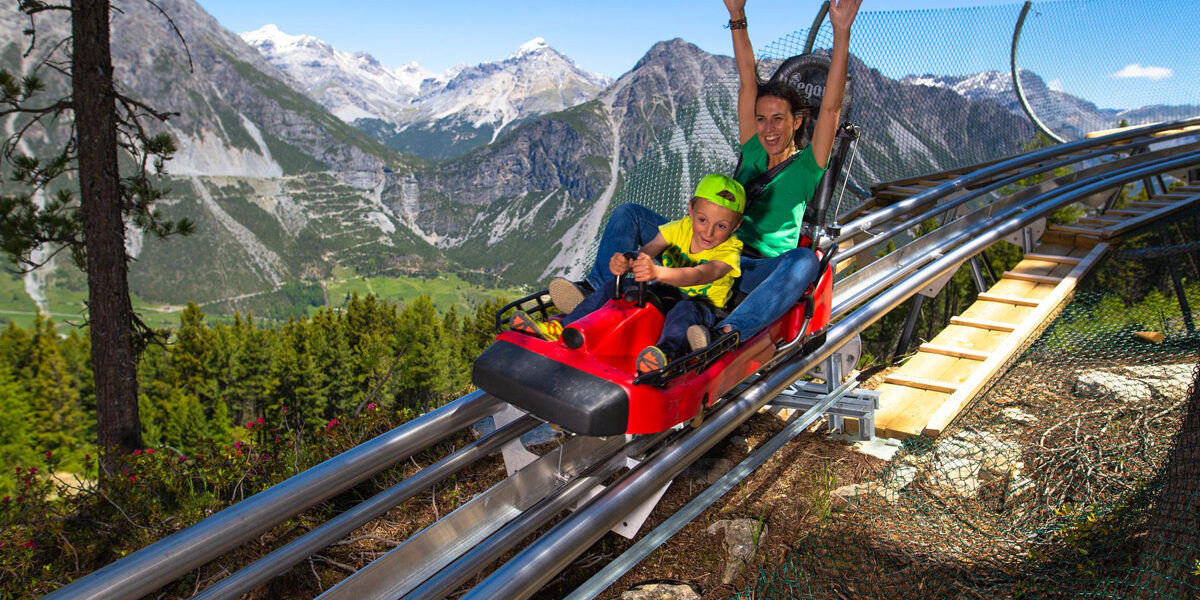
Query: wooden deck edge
1116,231
1034,323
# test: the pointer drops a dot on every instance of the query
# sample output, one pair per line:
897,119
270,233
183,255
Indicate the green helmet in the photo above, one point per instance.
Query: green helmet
713,184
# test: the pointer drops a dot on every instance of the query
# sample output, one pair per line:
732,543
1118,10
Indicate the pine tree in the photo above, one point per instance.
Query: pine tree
16,443
336,362
54,402
249,369
423,376
296,382
92,227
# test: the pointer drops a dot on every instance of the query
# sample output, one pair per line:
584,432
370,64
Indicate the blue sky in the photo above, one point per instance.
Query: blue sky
1082,57
604,37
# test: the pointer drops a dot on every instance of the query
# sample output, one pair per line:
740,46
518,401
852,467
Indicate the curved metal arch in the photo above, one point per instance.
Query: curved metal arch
1017,80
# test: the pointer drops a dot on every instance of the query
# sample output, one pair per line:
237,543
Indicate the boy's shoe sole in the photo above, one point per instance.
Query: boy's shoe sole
651,359
698,337
565,294
523,323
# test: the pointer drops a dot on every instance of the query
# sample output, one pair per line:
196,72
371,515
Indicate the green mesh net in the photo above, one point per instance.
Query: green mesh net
1076,475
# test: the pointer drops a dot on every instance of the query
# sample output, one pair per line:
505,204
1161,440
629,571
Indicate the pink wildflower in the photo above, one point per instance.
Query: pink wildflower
132,478
249,425
182,459
49,454
4,499
372,406
332,422
32,470
138,451
29,544
237,444
149,450
239,452
259,421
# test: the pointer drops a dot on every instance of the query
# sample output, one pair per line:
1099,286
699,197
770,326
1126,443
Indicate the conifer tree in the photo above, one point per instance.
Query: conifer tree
54,402
16,443
48,216
249,369
336,362
296,382
425,361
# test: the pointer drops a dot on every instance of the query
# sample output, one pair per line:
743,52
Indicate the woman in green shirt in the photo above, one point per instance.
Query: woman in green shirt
775,273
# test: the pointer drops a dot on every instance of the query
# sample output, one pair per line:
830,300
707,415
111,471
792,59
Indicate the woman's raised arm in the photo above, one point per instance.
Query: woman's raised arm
743,55
841,16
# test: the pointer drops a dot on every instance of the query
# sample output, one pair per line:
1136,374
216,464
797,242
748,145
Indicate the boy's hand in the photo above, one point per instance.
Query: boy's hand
644,268
619,265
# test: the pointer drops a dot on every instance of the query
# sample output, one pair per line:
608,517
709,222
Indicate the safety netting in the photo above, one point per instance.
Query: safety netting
932,90
1076,475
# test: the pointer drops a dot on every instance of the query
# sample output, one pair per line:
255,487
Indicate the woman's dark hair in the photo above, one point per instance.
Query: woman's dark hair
777,88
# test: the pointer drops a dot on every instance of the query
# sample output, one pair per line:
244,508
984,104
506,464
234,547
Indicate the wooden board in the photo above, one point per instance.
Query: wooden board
1013,344
951,359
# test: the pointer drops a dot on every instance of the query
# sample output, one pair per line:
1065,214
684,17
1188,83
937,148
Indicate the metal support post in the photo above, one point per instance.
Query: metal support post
1178,283
981,285
987,264
910,325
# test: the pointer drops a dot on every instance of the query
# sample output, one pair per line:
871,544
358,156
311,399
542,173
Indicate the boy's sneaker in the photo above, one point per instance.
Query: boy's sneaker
565,294
550,330
698,337
650,359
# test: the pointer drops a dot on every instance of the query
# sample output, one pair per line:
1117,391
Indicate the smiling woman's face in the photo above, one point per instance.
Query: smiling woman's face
775,124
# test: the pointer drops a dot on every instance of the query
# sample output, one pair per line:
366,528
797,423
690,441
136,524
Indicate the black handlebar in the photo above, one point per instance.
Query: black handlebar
617,295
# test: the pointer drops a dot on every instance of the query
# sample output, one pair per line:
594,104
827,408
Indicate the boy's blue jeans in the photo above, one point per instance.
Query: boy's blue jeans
772,285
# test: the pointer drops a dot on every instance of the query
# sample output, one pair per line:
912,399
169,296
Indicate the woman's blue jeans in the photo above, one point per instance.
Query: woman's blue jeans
772,285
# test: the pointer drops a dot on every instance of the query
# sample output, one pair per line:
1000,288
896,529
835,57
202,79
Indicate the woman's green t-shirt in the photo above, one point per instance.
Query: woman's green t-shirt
772,224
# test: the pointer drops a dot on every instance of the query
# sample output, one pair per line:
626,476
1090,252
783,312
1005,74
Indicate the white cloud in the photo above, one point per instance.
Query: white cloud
1135,70
1055,85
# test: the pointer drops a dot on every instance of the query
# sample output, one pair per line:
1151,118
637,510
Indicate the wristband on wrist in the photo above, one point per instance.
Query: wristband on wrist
736,23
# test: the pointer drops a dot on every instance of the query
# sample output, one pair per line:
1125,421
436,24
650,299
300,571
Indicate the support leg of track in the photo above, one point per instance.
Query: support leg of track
981,285
910,325
1177,281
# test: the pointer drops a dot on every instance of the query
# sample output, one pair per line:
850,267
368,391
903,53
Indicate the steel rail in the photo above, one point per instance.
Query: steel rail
639,551
860,285
164,561
897,228
454,575
422,555
282,559
525,573
893,211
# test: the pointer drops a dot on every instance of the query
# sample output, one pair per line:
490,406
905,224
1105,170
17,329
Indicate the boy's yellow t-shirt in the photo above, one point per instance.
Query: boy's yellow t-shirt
678,235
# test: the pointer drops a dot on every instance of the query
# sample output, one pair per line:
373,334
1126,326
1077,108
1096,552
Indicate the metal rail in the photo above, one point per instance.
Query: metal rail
164,561
891,212
442,556
282,559
525,573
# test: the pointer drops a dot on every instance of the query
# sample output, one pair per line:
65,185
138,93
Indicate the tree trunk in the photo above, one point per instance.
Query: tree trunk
114,362
1171,548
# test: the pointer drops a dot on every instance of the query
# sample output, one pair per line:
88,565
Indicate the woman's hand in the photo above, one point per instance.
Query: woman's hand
644,268
737,8
841,13
619,265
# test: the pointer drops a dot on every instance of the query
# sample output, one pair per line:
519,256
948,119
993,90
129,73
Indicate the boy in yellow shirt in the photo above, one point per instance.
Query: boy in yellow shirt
699,256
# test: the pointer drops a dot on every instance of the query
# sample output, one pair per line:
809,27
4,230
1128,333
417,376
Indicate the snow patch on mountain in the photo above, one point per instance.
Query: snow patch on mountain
352,85
535,79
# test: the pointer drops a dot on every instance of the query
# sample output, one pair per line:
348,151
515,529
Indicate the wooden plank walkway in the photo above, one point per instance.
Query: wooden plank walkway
925,395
